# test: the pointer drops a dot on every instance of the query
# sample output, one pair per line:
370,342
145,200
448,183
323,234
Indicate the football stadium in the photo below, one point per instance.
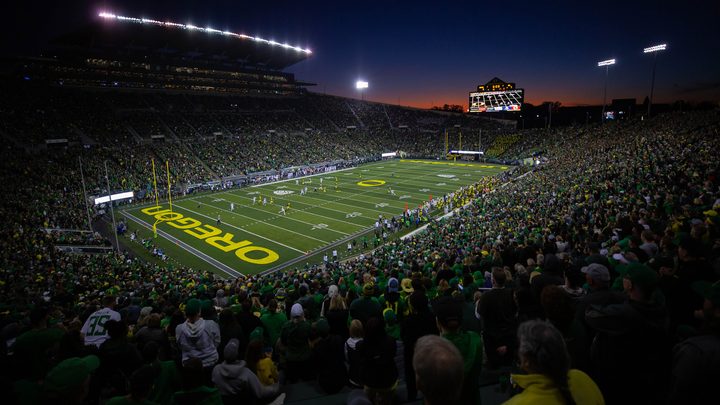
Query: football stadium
191,217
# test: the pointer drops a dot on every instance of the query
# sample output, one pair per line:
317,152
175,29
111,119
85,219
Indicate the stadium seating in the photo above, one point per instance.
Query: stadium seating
639,191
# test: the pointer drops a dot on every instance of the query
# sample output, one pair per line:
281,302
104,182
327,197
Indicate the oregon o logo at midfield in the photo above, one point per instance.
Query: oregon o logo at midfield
370,183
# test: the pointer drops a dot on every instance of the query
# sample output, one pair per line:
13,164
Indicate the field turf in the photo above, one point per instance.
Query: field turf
258,238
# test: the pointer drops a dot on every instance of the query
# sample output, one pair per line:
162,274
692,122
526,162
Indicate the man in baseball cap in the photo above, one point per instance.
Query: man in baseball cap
597,278
596,272
635,329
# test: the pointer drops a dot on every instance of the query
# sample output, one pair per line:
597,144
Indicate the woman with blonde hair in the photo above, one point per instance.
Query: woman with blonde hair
352,356
337,316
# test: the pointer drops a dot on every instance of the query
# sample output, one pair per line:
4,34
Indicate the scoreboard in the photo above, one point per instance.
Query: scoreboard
496,95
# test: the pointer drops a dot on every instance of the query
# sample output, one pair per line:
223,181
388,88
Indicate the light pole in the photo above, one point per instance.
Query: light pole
112,210
654,50
607,64
361,85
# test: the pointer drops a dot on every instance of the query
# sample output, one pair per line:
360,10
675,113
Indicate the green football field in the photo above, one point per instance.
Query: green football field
255,238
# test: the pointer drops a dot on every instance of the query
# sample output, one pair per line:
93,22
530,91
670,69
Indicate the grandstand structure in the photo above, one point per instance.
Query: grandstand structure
217,104
630,207
129,53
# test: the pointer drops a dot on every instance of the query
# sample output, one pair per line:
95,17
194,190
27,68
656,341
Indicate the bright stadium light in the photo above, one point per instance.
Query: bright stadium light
111,16
606,63
361,85
655,49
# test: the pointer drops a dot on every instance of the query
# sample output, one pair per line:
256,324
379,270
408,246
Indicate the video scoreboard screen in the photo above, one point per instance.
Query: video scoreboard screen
496,96
491,101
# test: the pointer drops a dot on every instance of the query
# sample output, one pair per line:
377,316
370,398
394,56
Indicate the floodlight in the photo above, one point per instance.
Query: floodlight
192,27
606,62
361,85
655,48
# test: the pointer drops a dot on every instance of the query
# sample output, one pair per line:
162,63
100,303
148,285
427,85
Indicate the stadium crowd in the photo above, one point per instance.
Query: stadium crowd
592,279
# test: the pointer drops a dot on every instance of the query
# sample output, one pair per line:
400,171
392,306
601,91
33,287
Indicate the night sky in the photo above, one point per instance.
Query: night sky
431,53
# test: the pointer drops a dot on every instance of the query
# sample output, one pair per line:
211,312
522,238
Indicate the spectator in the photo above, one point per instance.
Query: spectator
195,391
497,311
33,349
220,301
273,321
325,307
167,379
631,353
549,379
391,298
259,361
377,363
337,316
94,327
236,382
198,338
230,329
367,306
141,384
68,382
439,370
420,322
118,358
696,359
449,314
552,274
597,278
352,355
152,332
295,337
248,320
560,311
328,358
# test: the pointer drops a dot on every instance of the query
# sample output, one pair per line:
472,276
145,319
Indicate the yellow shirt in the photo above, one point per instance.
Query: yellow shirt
539,389
267,371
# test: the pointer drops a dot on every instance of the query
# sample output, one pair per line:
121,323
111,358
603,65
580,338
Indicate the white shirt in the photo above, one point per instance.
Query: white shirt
94,327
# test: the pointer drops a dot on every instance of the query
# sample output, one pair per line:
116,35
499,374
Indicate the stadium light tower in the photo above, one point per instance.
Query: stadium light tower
654,50
361,85
606,64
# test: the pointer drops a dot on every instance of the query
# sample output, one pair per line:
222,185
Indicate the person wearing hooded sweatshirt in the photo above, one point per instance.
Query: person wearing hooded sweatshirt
630,357
448,316
391,299
418,323
295,339
237,383
197,337
220,300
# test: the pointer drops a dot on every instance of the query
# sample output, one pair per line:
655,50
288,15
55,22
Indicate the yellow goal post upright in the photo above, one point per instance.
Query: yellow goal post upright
448,155
157,196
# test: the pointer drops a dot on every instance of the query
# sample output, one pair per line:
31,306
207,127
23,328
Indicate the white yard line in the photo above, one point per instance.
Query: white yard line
200,255
245,230
265,221
302,210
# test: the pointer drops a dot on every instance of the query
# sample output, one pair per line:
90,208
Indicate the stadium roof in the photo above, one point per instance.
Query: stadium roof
147,37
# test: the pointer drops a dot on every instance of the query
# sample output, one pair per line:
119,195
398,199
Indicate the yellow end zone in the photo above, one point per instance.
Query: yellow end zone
453,164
